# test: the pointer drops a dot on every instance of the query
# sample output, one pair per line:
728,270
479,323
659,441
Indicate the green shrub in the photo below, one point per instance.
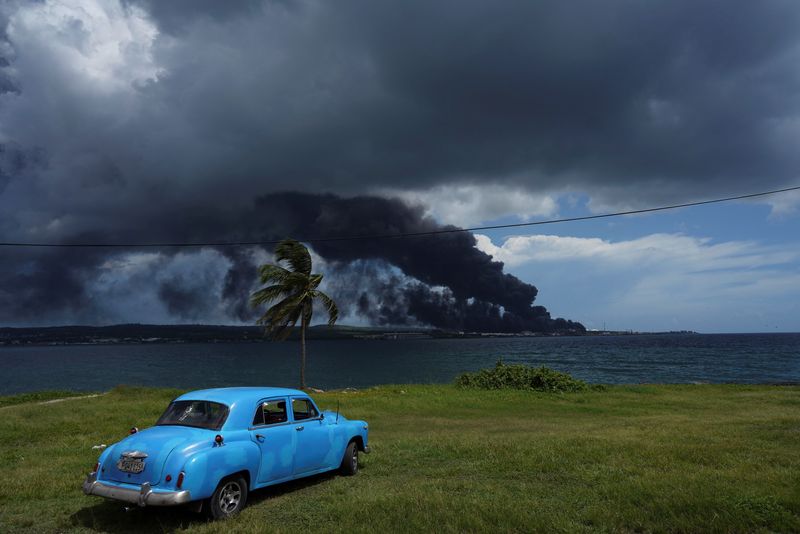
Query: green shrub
504,376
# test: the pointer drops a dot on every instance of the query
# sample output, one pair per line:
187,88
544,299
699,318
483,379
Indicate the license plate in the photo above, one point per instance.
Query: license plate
130,465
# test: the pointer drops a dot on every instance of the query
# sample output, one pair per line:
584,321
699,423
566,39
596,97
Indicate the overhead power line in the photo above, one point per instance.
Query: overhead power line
397,235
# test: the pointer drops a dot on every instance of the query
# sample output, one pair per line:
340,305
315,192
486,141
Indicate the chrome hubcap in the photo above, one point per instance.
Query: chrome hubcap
354,459
229,497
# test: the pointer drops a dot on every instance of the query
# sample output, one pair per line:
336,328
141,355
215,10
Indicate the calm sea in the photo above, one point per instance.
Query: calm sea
743,358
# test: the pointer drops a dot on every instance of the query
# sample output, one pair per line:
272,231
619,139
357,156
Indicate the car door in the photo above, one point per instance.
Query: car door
275,436
312,436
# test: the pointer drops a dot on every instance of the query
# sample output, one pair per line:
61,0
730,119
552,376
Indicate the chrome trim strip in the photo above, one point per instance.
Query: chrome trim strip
259,427
317,418
144,496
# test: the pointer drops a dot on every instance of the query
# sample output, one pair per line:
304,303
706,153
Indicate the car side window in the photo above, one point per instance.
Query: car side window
303,409
271,412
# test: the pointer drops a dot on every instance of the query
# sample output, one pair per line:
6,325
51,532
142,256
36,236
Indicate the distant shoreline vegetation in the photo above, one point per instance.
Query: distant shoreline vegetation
142,333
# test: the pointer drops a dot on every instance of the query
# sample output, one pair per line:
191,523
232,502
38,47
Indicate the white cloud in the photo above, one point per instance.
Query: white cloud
468,205
659,281
785,204
84,69
105,43
694,253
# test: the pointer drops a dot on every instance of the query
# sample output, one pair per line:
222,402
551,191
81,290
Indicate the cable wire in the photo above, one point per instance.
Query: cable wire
398,235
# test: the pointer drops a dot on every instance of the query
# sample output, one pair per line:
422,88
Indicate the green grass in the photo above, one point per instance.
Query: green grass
628,459
39,396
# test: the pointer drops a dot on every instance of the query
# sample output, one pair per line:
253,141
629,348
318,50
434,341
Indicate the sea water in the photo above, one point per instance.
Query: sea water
634,359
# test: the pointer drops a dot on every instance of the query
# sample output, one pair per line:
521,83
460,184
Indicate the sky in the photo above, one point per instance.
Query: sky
138,121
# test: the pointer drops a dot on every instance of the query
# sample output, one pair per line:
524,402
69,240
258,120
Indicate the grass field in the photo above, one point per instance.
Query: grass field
631,459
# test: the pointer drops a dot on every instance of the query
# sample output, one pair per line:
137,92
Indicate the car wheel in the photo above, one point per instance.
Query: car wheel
349,465
229,497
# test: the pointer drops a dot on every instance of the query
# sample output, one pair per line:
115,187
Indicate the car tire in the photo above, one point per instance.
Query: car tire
349,465
229,498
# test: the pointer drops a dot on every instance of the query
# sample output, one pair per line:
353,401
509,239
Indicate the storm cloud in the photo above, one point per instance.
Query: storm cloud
143,120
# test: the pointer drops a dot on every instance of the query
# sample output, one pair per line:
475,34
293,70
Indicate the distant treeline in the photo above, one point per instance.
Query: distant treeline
146,333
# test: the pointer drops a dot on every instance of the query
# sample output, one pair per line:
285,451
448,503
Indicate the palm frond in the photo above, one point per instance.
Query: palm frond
280,330
330,306
269,273
314,280
296,254
298,281
265,295
278,319
285,307
294,288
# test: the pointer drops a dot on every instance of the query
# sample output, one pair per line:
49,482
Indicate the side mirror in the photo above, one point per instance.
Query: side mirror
322,417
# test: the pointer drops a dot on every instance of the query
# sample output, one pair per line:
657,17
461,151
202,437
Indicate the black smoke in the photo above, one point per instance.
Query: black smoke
238,284
477,295
442,281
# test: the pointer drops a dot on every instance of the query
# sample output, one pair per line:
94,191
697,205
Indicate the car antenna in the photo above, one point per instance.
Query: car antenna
337,411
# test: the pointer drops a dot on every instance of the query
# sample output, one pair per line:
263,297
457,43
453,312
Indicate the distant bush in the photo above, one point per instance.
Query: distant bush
504,376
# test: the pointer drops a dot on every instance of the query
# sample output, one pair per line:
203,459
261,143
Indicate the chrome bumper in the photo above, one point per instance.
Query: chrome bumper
367,450
143,496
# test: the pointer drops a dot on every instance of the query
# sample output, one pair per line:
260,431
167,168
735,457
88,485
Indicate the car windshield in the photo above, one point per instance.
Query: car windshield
200,414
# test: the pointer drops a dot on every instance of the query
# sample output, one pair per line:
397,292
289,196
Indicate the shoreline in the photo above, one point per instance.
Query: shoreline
52,397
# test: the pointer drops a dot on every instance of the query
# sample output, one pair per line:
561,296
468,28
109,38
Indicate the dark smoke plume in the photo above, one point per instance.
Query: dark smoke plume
478,295
443,281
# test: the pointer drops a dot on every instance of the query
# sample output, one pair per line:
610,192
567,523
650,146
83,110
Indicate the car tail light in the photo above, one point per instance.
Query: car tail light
218,439
134,430
179,482
169,477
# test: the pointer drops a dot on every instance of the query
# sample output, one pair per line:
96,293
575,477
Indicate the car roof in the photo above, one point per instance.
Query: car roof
240,394
241,401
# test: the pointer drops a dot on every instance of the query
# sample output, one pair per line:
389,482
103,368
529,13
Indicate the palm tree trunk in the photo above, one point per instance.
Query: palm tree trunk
303,354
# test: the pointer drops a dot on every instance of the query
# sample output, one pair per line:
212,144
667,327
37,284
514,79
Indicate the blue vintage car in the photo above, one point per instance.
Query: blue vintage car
211,447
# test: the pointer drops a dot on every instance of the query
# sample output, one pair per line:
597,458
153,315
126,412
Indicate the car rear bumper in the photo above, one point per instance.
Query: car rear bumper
143,496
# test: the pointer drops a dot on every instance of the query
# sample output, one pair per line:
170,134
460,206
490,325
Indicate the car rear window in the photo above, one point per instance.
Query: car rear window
199,414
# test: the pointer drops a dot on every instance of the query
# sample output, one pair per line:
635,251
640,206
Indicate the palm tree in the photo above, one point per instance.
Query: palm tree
295,289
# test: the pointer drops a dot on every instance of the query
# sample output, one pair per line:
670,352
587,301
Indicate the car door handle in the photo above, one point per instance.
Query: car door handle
299,428
259,437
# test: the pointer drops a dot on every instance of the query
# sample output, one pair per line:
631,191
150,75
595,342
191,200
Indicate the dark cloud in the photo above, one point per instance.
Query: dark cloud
111,128
667,98
176,15
15,162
